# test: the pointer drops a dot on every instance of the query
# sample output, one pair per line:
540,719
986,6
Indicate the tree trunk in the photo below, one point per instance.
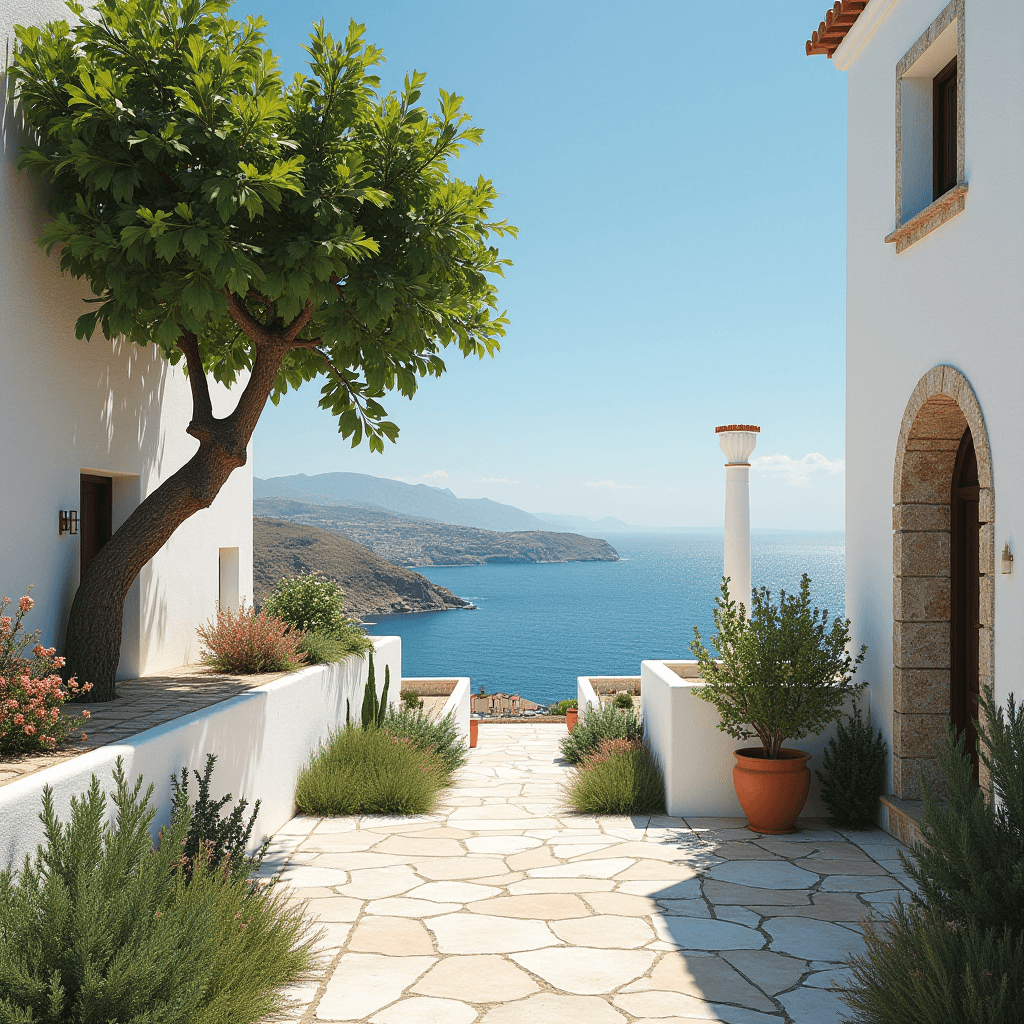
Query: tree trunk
92,645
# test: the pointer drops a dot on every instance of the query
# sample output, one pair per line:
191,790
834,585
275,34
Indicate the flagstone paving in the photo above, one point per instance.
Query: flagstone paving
506,908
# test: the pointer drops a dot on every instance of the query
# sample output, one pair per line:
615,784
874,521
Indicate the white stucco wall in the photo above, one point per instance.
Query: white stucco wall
954,297
262,739
69,406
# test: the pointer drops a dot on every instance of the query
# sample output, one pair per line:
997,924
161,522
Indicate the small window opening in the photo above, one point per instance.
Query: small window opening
944,111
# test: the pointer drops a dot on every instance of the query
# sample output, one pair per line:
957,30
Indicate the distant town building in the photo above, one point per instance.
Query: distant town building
502,705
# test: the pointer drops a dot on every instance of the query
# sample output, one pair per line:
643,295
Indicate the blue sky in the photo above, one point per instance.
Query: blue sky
677,173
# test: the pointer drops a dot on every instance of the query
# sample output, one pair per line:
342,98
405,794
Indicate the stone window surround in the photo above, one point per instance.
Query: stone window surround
921,484
949,205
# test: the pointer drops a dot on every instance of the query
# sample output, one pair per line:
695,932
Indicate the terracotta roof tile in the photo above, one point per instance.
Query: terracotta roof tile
832,31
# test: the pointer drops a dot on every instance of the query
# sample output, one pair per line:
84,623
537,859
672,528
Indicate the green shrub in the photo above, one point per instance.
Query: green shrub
922,969
221,840
971,867
783,673
623,700
374,711
957,956
854,773
103,927
323,648
595,724
369,771
620,778
246,641
411,699
308,602
441,737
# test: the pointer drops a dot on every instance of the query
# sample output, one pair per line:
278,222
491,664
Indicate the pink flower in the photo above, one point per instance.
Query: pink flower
30,730
19,719
87,714
25,604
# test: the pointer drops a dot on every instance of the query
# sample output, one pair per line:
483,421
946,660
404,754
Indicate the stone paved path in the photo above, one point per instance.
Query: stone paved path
505,908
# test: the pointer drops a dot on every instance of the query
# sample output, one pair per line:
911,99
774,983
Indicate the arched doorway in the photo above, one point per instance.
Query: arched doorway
943,561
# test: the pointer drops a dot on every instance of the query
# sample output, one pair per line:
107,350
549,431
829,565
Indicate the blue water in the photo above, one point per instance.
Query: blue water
537,627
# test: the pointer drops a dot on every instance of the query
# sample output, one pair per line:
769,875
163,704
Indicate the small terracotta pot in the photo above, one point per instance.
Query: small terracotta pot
571,715
474,731
771,792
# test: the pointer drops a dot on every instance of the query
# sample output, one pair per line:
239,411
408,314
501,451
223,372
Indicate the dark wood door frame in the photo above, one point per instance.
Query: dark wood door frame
965,596
97,500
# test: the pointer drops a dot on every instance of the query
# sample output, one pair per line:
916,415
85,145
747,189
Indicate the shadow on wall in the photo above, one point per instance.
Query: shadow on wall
96,405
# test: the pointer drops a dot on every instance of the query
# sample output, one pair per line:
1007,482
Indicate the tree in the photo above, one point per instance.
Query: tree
250,227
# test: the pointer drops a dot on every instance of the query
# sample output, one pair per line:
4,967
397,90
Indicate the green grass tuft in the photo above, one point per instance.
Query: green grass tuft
622,779
596,724
370,771
440,738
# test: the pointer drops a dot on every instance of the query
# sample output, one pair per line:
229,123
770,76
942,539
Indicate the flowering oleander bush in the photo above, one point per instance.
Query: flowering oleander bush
101,926
315,605
619,777
31,691
247,641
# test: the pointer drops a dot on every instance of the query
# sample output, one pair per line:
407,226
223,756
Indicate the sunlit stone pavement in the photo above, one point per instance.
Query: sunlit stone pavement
506,908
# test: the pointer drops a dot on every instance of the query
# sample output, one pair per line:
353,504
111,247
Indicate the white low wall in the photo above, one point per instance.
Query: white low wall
586,696
457,703
262,738
694,756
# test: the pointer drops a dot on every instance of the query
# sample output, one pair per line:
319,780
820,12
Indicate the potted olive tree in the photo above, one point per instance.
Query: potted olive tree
783,673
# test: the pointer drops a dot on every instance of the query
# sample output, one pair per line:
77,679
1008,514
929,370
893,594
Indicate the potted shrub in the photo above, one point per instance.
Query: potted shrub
783,673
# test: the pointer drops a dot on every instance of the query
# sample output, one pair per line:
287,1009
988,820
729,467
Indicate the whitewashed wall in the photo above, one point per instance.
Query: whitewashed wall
67,406
954,297
262,739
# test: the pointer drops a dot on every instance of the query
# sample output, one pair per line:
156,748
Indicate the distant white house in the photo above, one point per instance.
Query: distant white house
93,428
935,359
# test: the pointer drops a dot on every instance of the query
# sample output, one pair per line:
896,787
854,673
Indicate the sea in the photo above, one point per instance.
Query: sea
536,627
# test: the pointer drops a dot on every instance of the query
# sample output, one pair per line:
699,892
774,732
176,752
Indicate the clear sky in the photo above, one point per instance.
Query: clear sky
677,172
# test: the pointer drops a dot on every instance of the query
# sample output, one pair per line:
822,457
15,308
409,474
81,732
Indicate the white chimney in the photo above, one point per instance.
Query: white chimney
737,441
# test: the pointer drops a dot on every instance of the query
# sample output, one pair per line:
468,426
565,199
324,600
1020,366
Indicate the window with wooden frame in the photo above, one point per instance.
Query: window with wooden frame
944,130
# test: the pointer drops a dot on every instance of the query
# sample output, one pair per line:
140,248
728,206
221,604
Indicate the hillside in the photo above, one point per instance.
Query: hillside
372,586
416,500
405,540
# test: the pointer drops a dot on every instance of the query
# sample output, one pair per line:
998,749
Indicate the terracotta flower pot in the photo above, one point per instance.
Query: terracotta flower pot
571,715
771,792
474,731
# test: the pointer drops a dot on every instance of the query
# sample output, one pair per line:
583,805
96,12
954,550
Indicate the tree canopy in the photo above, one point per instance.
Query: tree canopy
199,193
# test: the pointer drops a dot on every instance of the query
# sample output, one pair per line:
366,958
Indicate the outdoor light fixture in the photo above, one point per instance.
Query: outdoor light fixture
67,522
1007,560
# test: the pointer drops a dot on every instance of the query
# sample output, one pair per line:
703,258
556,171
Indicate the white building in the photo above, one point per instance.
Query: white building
935,257
94,428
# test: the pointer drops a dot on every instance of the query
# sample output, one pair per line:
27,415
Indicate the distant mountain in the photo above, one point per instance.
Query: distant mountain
372,585
584,524
396,496
408,541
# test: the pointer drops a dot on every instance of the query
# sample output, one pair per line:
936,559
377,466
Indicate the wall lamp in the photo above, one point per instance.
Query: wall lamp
67,522
1007,559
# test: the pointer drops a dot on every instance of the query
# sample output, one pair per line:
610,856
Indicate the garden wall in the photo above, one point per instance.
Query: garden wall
695,758
262,738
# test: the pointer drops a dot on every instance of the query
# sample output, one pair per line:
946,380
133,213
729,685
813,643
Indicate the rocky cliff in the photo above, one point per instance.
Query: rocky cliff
372,585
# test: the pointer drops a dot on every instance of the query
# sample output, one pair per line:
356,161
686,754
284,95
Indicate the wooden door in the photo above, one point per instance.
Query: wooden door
96,519
965,596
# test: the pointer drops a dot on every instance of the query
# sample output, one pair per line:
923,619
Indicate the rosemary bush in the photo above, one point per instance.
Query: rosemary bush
596,724
440,738
102,927
854,773
222,840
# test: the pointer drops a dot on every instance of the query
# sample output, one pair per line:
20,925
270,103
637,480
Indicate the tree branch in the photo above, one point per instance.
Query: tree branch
251,327
292,331
202,405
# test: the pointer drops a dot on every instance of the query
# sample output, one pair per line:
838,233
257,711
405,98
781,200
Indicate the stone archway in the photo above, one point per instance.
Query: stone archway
941,408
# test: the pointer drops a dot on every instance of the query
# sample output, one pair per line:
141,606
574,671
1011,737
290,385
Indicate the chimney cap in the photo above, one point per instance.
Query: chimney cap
738,426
